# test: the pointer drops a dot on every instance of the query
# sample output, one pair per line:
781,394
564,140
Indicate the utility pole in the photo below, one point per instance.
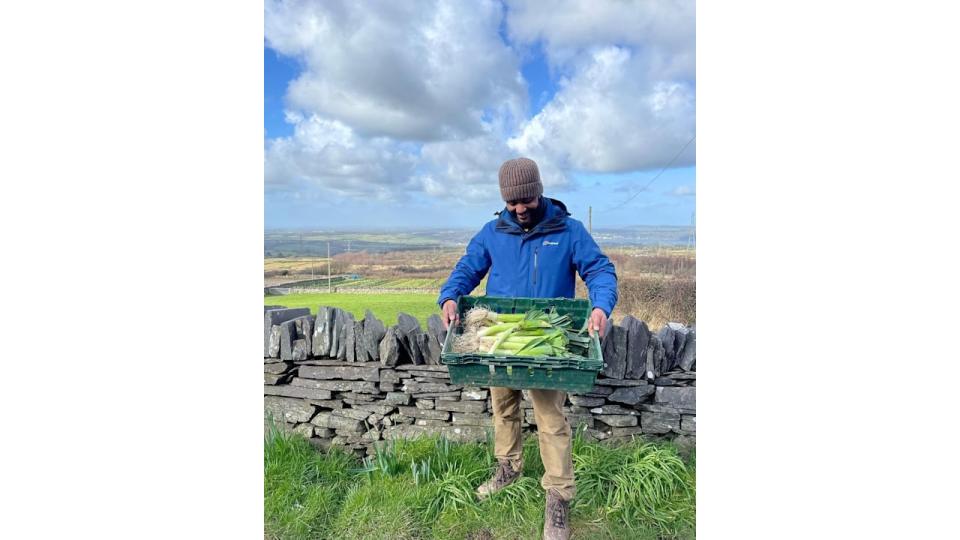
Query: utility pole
329,286
590,220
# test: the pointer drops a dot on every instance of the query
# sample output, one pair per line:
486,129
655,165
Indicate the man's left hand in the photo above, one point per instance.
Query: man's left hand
598,322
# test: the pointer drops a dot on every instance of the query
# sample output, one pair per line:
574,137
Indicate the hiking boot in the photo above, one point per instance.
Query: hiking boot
556,518
503,477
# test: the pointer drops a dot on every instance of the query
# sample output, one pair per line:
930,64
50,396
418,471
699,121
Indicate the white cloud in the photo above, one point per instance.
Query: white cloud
416,70
664,30
328,155
682,191
608,118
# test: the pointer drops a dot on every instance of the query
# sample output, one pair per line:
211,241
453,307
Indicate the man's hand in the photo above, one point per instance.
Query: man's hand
449,314
598,322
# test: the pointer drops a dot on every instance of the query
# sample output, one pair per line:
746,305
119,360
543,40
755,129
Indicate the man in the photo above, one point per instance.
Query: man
532,251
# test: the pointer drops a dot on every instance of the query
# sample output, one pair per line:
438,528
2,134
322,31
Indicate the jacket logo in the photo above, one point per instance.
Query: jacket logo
549,243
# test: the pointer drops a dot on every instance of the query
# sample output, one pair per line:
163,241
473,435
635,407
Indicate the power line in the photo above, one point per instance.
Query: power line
665,167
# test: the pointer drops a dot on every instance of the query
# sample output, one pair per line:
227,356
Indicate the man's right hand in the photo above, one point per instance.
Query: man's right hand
449,314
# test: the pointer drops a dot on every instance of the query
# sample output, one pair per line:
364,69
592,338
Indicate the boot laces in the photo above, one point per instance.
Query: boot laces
558,513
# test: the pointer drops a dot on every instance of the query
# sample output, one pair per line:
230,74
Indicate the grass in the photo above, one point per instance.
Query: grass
384,306
424,489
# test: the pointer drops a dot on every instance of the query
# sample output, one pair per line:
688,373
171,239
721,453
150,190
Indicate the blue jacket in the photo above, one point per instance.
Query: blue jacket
536,264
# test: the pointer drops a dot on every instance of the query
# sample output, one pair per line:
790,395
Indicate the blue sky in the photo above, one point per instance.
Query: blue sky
400,117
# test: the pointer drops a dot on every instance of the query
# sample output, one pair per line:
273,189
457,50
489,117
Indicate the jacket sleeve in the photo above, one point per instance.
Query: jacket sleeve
468,272
596,270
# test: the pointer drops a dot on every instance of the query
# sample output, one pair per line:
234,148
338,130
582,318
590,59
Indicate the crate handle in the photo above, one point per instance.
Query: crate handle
509,371
530,371
493,370
549,372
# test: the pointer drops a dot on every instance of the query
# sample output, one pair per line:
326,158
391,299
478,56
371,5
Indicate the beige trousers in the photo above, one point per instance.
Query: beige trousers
553,430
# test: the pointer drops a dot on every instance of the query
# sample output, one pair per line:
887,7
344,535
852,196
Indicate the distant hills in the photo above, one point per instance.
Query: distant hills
285,243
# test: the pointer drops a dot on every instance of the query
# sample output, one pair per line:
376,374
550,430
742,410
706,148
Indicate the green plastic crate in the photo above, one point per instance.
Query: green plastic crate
481,369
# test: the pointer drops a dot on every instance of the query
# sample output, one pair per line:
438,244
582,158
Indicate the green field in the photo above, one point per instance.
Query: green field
384,306
424,489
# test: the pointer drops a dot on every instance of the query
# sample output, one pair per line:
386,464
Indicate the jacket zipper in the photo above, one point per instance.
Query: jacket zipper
536,252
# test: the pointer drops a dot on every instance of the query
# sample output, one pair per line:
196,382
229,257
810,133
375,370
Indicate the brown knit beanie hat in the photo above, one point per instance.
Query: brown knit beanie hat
520,179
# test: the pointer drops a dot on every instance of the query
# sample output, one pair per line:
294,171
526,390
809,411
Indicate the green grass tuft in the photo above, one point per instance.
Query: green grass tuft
424,488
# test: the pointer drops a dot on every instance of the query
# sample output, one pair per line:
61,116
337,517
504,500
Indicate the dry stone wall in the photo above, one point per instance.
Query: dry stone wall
342,381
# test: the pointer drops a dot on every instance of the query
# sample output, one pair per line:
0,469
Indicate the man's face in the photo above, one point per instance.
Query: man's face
522,209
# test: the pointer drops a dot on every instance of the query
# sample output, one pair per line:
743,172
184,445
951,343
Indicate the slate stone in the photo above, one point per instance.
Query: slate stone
345,324
577,420
273,346
304,429
614,409
408,330
464,434
625,432
288,334
288,409
301,350
667,336
631,395
277,367
397,398
664,381
275,378
328,403
461,406
322,331
681,397
429,380
614,349
364,387
431,349
404,432
389,376
424,404
304,328
688,423
638,338
583,401
436,395
337,319
473,393
656,356
617,420
599,391
689,351
408,367
297,392
471,419
268,308
435,329
273,317
414,387
337,422
432,422
373,332
433,376
350,341
657,407
355,414
423,413
620,382
408,324
350,373
659,423
389,348
380,409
